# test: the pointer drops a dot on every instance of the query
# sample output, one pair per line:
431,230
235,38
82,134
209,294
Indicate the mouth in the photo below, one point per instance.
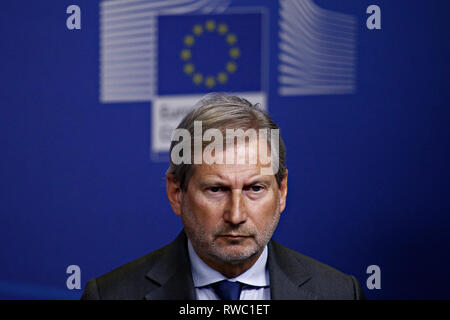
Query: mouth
233,237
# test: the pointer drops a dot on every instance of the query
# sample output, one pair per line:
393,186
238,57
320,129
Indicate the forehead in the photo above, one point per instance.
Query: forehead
240,163
239,158
248,151
226,169
233,174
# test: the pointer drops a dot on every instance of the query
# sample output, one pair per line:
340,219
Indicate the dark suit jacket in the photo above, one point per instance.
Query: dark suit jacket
165,274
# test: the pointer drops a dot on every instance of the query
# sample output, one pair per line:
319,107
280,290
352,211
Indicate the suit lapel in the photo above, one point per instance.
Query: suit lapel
171,275
287,275
172,278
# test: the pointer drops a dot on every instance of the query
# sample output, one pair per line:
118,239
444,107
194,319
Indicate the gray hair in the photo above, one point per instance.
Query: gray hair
222,111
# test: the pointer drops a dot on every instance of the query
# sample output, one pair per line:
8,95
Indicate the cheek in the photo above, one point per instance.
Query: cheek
263,210
205,210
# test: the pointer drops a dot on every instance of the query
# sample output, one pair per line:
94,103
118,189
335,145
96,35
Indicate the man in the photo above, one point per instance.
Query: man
227,181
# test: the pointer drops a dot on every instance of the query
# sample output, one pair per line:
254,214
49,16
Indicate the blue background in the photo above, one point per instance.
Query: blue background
369,181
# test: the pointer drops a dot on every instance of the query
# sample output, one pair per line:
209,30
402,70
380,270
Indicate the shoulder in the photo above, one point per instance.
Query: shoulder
323,281
314,267
126,281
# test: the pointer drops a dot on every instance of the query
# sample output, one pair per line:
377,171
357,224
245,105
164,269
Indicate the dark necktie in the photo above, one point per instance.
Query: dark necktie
227,290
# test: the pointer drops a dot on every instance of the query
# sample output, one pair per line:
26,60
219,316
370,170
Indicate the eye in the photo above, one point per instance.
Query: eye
217,189
214,189
255,188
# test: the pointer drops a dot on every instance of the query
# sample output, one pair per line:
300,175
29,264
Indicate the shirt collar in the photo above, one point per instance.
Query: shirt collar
204,275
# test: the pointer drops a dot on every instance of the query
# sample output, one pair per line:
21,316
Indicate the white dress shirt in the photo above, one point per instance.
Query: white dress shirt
203,275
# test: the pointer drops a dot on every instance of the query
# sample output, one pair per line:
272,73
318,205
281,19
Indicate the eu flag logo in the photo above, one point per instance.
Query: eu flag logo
214,52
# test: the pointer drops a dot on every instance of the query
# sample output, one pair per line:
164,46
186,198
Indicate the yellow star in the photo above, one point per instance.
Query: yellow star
198,29
231,67
186,54
222,28
231,39
235,53
197,78
210,25
210,82
189,40
222,77
189,68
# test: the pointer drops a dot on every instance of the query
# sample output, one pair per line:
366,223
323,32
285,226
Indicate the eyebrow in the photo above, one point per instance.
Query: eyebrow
220,183
261,180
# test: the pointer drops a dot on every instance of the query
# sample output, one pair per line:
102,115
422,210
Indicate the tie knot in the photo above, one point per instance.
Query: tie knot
227,290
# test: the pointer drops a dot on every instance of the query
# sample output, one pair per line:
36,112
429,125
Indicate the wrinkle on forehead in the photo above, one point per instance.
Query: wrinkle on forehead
234,175
240,153
238,173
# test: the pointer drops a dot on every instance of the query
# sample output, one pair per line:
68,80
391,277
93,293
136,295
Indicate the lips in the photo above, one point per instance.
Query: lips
234,236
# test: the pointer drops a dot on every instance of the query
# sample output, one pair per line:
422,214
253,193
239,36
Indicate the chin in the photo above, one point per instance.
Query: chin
234,254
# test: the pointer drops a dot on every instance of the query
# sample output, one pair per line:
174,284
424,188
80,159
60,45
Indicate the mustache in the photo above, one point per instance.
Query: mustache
237,230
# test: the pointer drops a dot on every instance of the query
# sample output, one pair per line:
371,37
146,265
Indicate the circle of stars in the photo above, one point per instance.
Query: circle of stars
221,77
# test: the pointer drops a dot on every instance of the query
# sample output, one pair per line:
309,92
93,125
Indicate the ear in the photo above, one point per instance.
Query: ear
283,192
173,190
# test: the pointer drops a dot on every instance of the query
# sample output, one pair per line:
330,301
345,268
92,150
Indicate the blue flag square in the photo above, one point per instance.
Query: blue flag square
214,52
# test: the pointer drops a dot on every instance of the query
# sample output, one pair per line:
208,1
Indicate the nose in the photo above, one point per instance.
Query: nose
235,212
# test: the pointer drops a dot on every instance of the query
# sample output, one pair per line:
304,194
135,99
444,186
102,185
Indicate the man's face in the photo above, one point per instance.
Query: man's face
230,211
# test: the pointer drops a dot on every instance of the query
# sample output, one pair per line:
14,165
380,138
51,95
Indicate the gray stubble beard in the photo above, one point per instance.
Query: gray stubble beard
203,242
